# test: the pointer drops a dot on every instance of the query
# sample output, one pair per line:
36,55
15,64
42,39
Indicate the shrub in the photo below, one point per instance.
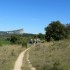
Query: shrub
24,44
56,66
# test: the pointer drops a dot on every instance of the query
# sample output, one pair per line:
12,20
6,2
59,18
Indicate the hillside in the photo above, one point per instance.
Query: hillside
19,31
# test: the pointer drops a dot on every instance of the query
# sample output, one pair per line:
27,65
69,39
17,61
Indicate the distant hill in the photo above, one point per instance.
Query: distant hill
19,31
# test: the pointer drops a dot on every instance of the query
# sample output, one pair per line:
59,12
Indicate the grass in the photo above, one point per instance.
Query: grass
8,56
4,42
51,56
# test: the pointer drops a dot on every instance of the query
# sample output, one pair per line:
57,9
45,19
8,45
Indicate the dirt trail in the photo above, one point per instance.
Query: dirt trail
18,63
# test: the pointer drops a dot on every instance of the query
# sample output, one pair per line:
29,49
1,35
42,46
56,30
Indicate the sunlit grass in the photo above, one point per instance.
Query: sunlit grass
8,56
51,56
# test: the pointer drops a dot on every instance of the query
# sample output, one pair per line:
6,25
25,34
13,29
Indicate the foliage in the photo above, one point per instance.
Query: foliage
41,36
43,41
16,39
24,44
55,30
68,29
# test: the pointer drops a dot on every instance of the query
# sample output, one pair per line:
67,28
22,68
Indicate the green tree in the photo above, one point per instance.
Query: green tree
15,39
55,30
68,29
41,36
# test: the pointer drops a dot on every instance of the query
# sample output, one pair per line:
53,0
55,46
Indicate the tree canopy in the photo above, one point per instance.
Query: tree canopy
55,30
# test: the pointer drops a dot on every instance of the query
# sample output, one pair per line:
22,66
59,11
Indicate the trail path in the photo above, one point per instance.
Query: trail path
18,63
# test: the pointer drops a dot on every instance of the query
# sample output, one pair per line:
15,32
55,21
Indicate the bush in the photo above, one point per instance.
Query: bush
56,66
24,44
43,41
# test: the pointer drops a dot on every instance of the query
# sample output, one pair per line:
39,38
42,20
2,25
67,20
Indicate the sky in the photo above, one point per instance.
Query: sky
32,15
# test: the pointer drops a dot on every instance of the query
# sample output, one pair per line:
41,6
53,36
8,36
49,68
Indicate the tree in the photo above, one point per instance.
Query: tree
15,38
55,30
68,29
41,36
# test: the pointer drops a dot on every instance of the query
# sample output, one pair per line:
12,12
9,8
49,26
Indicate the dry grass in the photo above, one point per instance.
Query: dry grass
51,56
8,56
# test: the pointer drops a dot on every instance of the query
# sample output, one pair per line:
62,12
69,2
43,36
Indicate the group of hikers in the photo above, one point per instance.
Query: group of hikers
34,41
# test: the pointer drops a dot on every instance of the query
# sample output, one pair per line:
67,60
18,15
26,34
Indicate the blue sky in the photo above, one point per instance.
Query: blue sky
32,15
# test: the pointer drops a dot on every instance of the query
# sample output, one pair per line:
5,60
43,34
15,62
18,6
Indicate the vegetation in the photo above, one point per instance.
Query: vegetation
10,48
8,56
19,39
68,29
16,39
51,56
4,42
41,36
56,31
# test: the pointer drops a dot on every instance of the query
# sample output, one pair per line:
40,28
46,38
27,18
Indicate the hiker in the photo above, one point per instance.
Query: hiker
38,40
35,42
30,42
